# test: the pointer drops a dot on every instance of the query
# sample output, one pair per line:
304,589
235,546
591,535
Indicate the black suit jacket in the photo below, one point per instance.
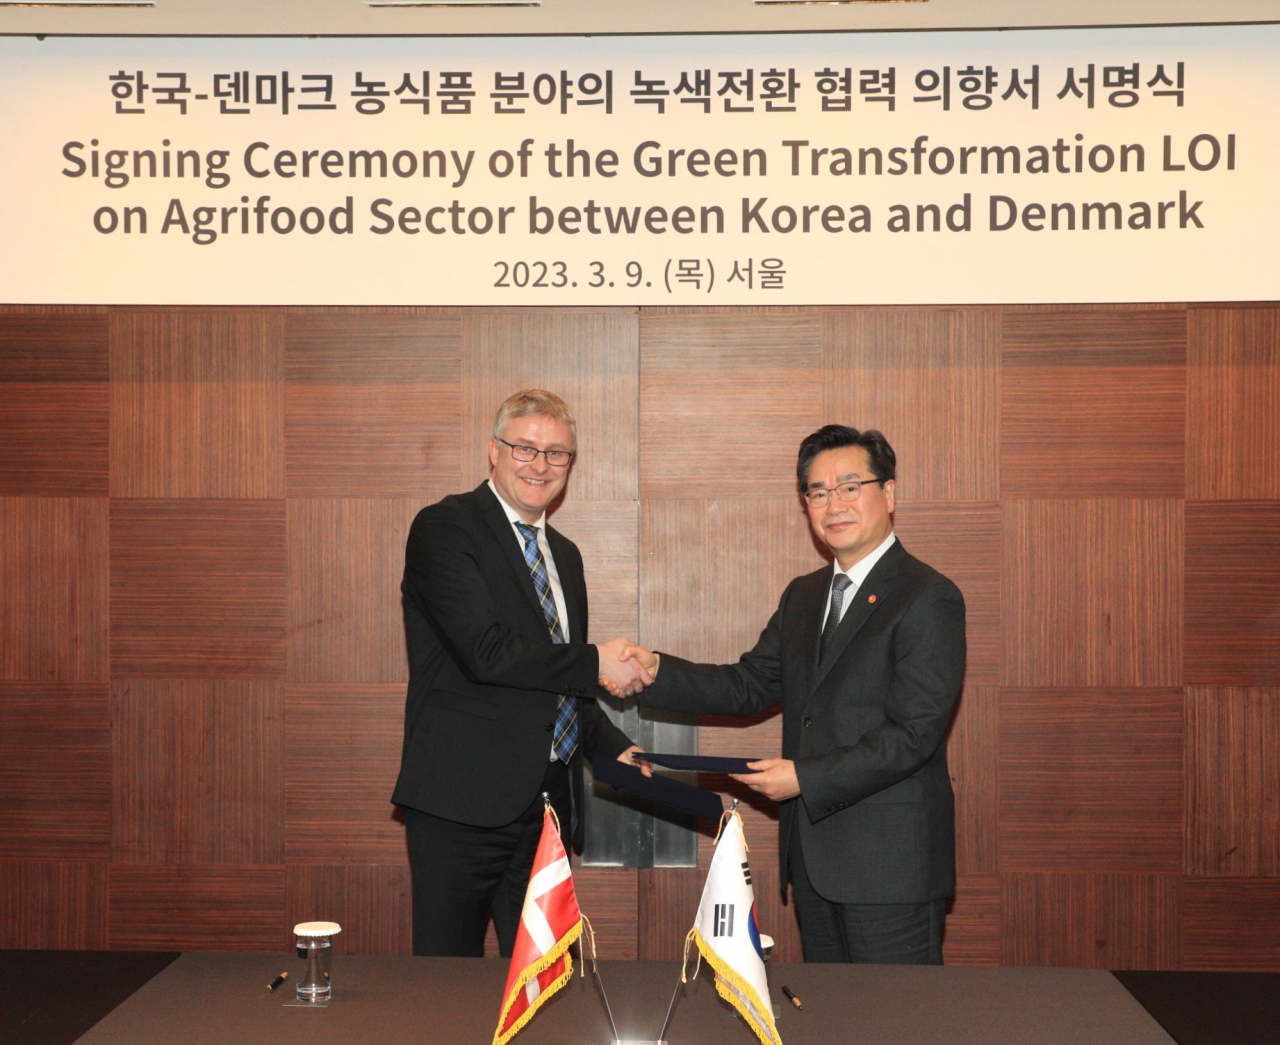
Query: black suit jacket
484,675
866,727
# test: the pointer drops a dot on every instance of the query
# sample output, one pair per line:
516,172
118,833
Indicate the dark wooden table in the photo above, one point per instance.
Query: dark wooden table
54,997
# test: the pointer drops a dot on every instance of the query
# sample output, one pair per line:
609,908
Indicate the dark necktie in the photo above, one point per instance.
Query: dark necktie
564,738
838,585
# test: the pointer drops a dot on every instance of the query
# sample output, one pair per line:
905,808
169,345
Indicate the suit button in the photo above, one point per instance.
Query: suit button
550,725
808,722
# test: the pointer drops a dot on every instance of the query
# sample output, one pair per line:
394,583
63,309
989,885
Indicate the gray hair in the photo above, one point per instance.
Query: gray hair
534,401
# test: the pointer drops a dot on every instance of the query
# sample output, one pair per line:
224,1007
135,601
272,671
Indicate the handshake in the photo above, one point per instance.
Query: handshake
625,668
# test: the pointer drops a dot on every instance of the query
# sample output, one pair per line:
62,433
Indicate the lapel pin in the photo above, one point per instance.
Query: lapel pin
871,598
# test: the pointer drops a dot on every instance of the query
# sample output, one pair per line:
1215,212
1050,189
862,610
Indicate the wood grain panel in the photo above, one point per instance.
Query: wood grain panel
725,398
973,923
1233,781
1231,923
1093,404
198,589
608,535
54,400
54,593
699,598
181,907
962,540
55,771
588,357
607,896
53,905
342,755
1091,921
198,772
373,904
1233,388
197,403
666,906
346,558
1233,589
972,757
1092,593
373,404
1091,780
930,380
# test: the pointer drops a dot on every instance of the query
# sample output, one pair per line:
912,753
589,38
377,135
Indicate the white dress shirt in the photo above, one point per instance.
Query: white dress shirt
857,573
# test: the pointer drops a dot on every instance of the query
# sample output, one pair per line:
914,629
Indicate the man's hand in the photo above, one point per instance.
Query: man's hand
647,658
776,778
629,757
621,676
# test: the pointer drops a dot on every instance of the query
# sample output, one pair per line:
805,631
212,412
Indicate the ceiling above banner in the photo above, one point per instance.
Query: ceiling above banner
578,17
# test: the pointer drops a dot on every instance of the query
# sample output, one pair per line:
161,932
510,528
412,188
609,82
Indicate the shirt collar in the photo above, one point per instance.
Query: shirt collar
512,515
857,573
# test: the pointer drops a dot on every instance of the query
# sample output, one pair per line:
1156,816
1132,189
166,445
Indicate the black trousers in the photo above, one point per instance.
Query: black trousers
463,873
879,934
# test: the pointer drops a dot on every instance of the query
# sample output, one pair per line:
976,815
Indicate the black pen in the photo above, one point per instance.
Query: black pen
792,998
276,982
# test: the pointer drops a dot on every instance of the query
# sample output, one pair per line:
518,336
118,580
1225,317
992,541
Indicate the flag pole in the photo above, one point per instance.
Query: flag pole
662,1034
595,968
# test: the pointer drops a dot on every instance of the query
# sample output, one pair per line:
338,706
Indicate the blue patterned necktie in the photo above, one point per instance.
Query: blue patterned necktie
564,739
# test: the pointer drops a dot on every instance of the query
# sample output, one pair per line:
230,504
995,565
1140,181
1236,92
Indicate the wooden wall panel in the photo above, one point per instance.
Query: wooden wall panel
342,755
1091,780
608,897
1092,593
963,541
972,758
607,534
973,923
1093,404
1233,782
180,907
197,403
586,356
1091,921
1233,589
666,906
373,904
725,398
54,397
198,772
1233,388
1231,923
53,905
54,593
197,589
373,404
930,380
55,771
705,605
346,558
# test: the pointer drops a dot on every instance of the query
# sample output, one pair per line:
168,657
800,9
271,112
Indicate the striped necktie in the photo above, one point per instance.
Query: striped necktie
838,585
564,739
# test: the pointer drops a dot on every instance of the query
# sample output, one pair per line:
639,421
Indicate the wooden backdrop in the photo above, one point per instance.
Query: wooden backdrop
202,516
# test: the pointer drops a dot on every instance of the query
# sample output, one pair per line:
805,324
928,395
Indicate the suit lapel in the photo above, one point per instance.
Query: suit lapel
508,541
869,597
809,603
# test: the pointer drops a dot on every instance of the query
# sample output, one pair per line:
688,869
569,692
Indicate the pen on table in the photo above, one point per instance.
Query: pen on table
277,981
792,998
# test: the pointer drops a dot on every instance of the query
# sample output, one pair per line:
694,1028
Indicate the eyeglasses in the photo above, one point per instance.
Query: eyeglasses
525,454
848,492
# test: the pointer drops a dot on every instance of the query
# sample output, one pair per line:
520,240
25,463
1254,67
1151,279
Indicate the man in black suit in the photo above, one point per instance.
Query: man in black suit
500,706
866,657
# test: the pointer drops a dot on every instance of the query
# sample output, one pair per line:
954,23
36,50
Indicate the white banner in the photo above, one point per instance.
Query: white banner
1082,165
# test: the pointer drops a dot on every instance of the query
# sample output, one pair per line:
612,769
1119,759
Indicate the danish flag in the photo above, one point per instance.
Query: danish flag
540,962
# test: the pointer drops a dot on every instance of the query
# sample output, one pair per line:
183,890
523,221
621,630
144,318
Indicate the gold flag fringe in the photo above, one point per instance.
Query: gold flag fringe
726,977
529,973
